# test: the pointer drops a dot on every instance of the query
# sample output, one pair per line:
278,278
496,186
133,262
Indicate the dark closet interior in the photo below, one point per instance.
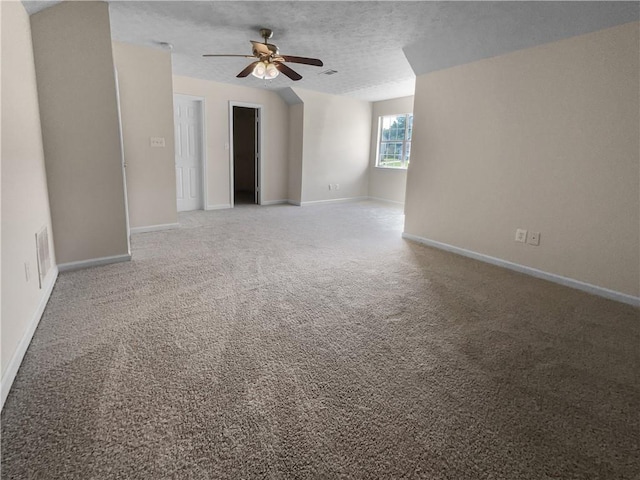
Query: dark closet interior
244,155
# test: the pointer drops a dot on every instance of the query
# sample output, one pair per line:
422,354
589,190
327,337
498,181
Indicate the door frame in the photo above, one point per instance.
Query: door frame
124,162
259,146
203,143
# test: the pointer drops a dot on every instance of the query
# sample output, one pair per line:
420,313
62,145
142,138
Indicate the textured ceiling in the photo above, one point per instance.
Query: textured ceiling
372,45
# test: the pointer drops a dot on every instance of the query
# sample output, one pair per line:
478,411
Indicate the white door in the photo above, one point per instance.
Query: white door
188,131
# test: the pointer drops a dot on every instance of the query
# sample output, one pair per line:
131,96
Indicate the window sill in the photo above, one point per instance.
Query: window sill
401,169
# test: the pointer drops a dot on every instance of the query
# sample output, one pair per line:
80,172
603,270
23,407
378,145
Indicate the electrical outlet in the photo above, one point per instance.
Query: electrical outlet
534,238
337,186
521,235
157,142
330,187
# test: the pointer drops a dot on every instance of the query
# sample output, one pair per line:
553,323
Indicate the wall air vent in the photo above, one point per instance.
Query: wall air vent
328,72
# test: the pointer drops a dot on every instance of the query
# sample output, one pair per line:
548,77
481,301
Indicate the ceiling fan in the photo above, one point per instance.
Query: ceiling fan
270,62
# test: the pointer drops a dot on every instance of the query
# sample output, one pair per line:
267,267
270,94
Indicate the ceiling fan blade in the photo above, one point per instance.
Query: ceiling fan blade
260,47
293,75
306,61
225,55
247,70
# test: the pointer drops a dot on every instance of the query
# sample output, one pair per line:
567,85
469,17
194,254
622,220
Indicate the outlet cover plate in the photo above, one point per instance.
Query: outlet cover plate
534,238
157,142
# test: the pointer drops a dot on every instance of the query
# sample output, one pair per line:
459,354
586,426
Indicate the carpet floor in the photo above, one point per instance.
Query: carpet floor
284,342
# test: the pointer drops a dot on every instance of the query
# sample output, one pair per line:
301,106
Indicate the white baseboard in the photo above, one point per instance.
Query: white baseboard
93,262
334,200
385,200
274,202
294,202
220,206
155,228
14,364
534,272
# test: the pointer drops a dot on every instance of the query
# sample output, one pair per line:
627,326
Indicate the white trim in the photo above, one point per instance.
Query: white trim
155,228
203,141
205,183
260,146
392,169
124,161
534,272
385,200
93,262
220,206
334,200
14,364
294,202
274,202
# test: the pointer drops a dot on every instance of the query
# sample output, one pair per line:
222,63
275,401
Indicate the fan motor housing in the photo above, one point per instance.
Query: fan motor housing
272,48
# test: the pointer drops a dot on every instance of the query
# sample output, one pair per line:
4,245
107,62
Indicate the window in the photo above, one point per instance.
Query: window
394,141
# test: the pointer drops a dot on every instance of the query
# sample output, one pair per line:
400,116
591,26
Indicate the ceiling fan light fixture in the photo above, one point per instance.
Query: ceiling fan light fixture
272,71
265,71
259,70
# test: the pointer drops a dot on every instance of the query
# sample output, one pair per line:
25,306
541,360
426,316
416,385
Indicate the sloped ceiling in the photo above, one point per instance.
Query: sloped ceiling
377,48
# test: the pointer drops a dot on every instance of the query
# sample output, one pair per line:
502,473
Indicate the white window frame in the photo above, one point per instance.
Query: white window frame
405,141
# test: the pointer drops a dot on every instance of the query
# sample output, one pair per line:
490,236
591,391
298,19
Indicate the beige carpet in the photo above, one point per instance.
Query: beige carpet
285,342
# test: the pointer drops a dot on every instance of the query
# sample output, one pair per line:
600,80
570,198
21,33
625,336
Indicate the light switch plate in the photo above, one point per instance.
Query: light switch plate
521,235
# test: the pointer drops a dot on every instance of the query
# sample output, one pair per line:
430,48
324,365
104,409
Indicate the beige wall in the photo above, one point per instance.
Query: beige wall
275,142
296,130
80,130
336,142
146,105
544,139
387,183
25,205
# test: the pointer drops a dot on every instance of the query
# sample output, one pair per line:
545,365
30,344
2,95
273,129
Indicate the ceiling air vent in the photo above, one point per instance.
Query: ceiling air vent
328,72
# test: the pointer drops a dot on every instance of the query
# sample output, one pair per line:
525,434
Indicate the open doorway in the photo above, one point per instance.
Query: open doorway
245,154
